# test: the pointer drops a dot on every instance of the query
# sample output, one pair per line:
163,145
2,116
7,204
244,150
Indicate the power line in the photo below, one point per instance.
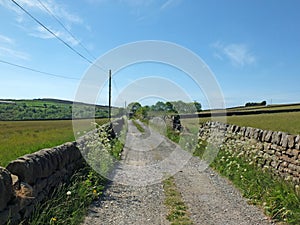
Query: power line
57,37
67,30
51,32
37,71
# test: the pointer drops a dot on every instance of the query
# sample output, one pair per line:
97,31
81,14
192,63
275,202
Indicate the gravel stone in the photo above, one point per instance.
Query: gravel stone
211,199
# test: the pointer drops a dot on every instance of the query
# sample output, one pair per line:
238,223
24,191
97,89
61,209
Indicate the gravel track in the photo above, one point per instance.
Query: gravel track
211,199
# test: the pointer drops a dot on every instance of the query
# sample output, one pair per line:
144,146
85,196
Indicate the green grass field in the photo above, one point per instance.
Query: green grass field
18,138
268,107
286,122
43,109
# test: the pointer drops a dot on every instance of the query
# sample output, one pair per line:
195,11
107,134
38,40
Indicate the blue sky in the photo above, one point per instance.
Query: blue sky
252,47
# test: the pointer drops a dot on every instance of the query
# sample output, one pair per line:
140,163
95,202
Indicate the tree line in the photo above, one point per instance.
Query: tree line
263,103
135,109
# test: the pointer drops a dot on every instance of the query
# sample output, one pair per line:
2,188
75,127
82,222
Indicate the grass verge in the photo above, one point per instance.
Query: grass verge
177,211
138,126
69,202
117,148
172,134
279,199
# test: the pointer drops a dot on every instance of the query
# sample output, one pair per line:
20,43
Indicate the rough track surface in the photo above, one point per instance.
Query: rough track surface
211,199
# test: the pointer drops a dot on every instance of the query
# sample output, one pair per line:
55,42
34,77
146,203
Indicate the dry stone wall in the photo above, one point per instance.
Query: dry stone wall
29,179
274,150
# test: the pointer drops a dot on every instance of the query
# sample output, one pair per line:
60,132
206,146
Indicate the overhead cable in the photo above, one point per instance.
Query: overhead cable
37,71
51,32
67,30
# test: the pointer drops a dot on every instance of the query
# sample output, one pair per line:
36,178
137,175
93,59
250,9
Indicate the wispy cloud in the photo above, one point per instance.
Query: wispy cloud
7,40
11,53
137,3
55,8
59,10
169,3
7,49
238,54
40,32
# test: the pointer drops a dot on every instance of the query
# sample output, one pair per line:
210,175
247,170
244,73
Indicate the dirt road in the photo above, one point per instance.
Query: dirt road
136,196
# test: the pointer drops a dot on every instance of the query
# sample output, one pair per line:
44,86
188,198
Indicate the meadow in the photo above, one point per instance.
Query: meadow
287,122
23,137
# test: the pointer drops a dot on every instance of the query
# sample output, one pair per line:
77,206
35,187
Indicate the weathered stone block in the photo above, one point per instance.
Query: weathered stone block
237,129
275,164
251,133
291,141
295,153
286,158
4,216
255,133
242,131
24,169
276,137
292,166
260,133
264,133
297,142
47,162
298,170
270,151
40,184
296,180
247,131
15,181
268,136
284,140
273,137
6,188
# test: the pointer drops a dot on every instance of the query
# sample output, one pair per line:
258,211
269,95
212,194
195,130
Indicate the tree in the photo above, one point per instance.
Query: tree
132,108
142,112
263,103
159,106
169,107
198,106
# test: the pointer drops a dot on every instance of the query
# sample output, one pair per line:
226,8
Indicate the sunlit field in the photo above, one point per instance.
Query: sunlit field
18,138
286,122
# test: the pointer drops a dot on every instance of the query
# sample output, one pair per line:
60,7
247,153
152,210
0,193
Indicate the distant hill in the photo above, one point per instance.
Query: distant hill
48,109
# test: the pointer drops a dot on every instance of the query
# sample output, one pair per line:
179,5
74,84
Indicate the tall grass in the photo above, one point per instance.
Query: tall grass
286,122
69,202
279,199
18,138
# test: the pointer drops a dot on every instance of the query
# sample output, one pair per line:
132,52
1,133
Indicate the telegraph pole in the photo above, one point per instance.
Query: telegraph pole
109,95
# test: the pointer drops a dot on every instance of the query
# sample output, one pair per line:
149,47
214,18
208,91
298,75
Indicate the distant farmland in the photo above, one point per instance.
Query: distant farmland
22,137
48,109
287,122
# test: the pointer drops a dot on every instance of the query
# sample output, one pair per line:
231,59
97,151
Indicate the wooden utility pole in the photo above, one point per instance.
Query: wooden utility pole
109,95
